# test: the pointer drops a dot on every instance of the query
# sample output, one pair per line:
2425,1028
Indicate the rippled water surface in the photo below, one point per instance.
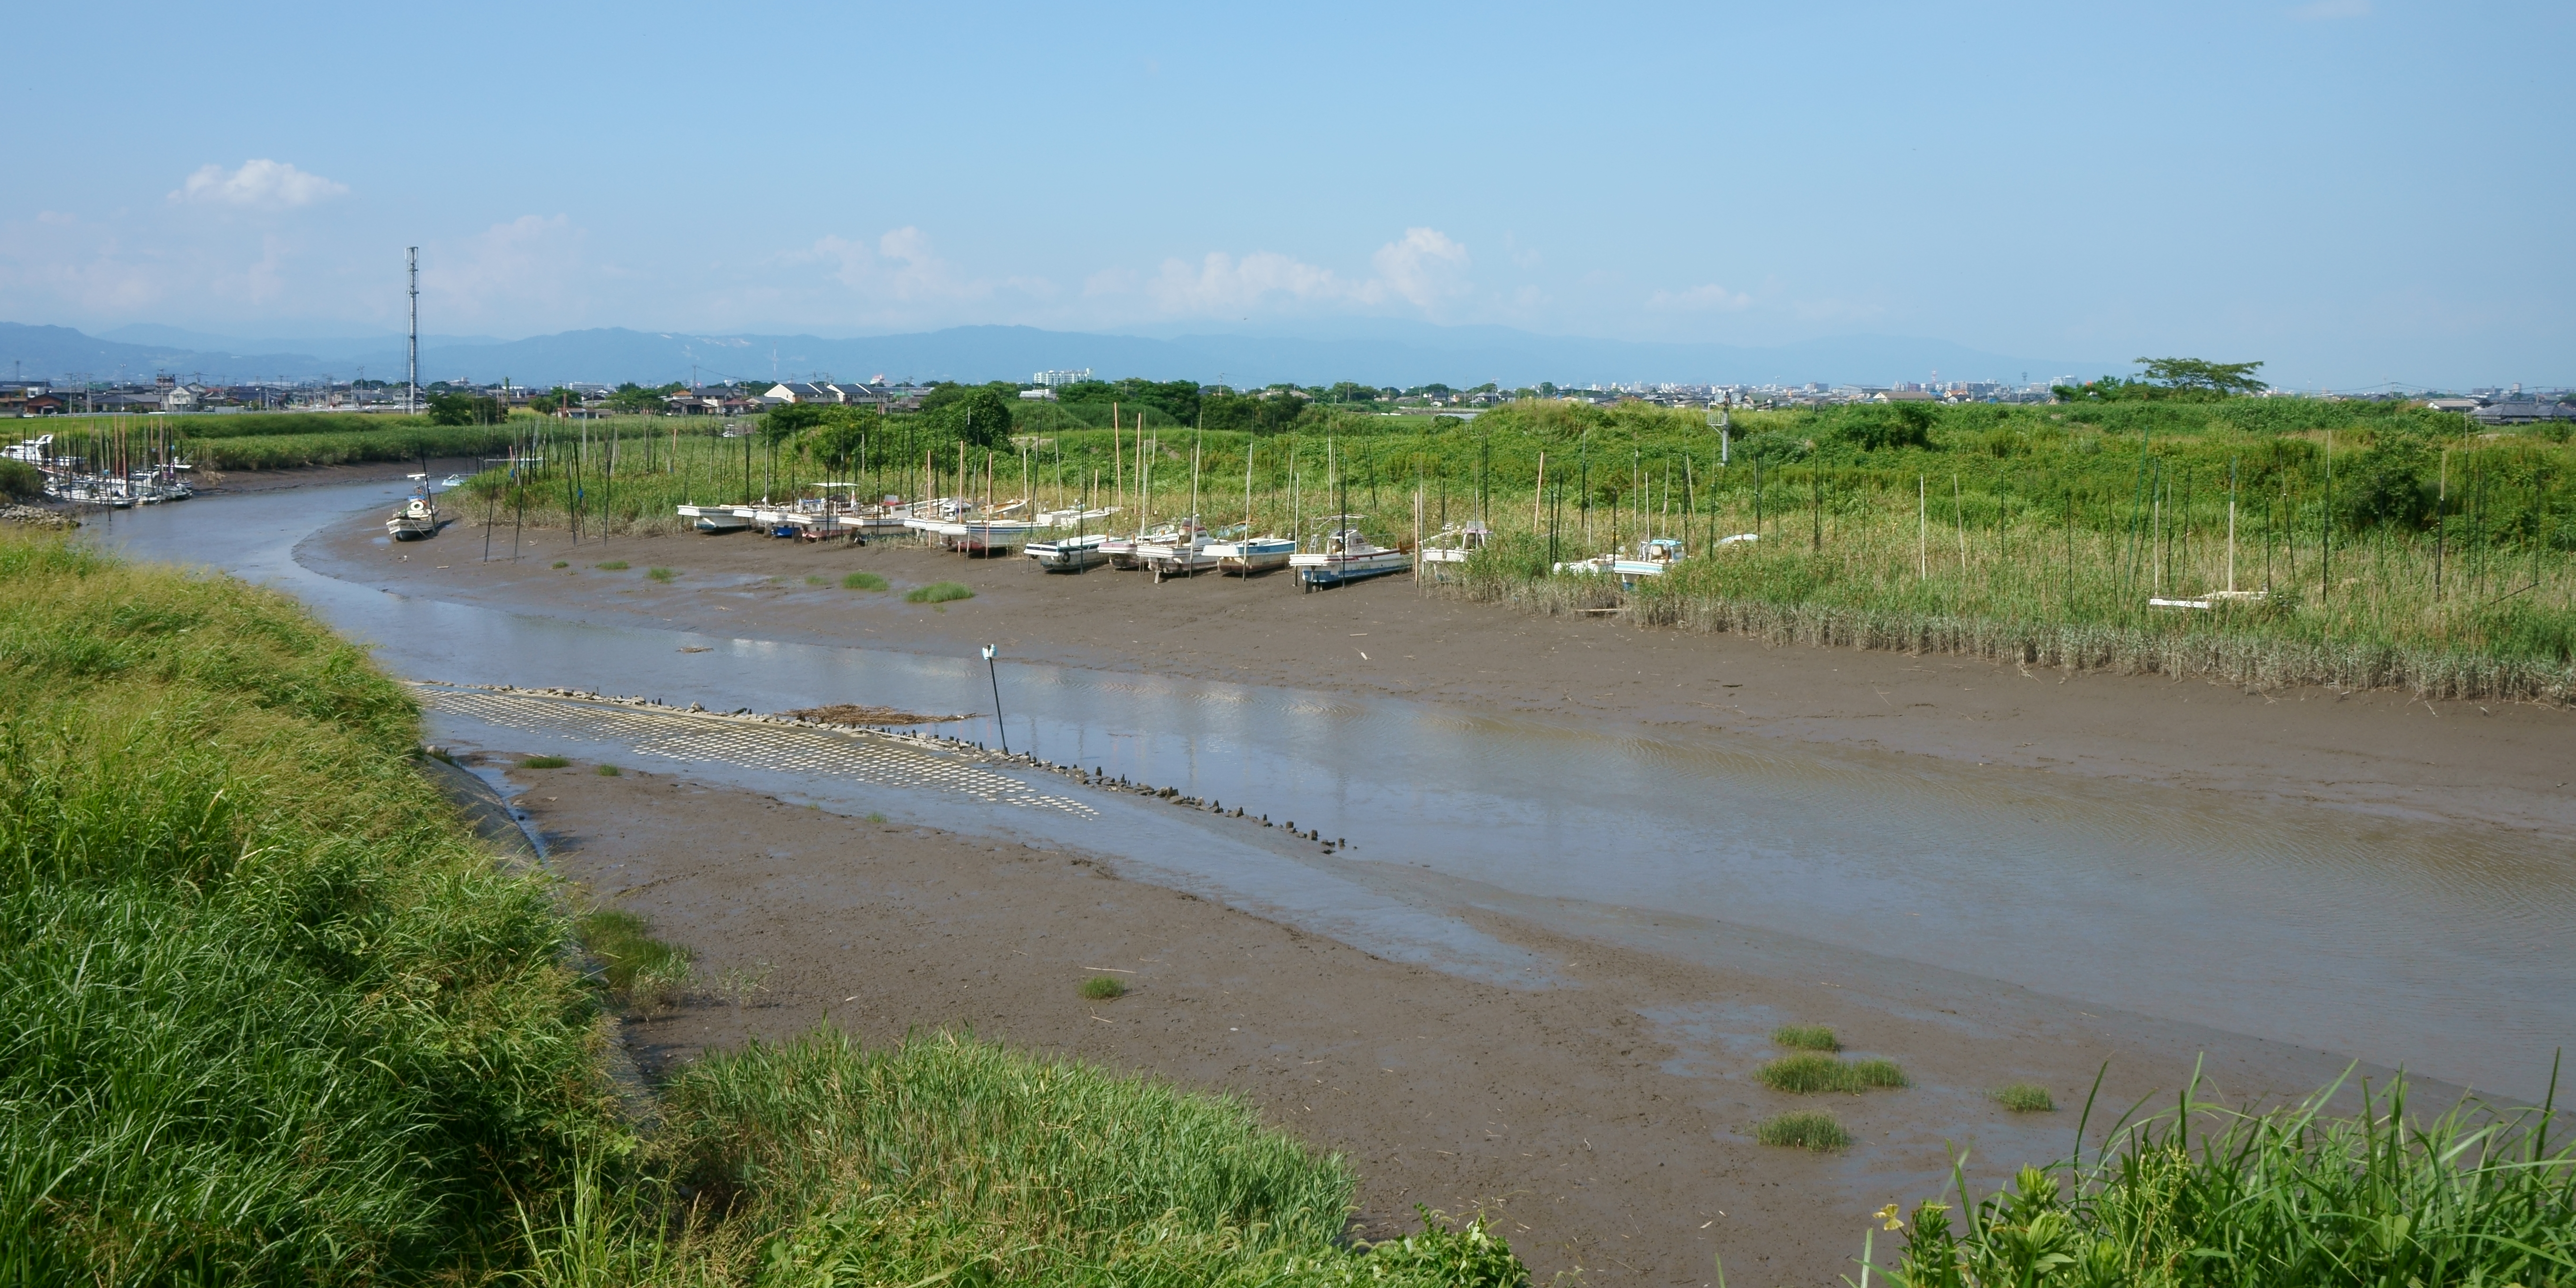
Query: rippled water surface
2437,948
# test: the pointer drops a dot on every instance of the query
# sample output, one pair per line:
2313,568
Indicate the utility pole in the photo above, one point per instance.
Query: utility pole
411,398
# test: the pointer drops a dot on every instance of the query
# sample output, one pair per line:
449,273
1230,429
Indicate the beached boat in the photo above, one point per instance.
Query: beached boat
990,537
716,518
1126,552
417,520
1450,548
1348,555
1238,553
1181,552
1655,556
1070,554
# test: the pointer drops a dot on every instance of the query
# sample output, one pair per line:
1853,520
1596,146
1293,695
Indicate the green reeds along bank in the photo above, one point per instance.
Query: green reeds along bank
646,971
2300,1196
272,1017
899,1165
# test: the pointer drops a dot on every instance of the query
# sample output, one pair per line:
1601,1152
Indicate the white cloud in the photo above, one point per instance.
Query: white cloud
1221,283
1425,268
258,184
1700,299
904,268
2320,9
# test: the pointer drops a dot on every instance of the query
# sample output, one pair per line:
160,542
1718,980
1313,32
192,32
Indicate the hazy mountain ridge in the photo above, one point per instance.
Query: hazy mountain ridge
1402,354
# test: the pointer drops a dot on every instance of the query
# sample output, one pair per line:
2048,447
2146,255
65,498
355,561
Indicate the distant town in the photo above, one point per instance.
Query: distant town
169,394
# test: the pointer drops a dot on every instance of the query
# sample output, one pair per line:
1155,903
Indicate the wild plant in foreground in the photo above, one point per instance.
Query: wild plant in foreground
2213,1195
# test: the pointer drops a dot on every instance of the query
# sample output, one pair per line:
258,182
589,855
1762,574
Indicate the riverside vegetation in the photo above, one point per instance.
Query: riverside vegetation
273,1015
2394,546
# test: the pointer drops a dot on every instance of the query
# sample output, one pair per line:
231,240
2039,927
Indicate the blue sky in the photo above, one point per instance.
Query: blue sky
2353,190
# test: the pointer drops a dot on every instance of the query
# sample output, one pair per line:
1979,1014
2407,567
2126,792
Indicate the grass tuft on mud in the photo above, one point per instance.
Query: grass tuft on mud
2026,1098
863,581
939,592
647,972
1805,1037
1809,1072
1803,1129
1104,988
544,762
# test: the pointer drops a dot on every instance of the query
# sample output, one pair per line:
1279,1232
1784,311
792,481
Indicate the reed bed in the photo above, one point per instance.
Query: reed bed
2393,548
2214,1195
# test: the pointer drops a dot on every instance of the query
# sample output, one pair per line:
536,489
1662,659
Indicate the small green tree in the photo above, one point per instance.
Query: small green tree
2200,375
464,409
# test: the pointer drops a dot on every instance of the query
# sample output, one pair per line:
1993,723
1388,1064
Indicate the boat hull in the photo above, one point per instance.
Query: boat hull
1315,570
1075,555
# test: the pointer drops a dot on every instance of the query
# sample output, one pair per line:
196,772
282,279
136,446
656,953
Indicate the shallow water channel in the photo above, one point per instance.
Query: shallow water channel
2444,950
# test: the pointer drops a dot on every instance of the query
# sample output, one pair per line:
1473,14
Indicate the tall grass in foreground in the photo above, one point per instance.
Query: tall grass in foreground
271,1014
2209,1195
947,1157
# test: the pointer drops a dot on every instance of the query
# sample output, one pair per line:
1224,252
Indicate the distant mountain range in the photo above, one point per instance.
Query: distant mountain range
1385,353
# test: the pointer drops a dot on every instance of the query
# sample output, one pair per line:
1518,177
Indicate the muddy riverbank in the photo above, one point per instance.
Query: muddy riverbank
2386,753
1605,1123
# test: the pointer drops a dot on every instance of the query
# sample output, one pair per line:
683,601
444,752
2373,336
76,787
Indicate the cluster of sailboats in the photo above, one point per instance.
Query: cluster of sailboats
129,474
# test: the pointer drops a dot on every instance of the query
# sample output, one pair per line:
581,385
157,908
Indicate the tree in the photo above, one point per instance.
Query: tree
787,420
982,417
2202,375
464,409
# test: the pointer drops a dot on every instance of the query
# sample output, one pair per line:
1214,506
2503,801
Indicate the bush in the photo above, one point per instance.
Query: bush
1804,1129
19,480
939,592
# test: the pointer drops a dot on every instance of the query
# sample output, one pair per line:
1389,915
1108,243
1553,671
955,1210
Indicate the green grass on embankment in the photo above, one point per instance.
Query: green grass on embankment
2290,1198
273,1016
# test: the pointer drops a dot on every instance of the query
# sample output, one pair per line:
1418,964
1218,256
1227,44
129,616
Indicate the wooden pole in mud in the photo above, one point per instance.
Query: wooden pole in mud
1922,529
1538,495
2441,519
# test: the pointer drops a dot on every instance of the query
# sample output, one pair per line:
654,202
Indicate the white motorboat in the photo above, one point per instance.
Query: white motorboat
990,537
1070,554
1128,552
717,518
1241,554
417,520
1348,555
